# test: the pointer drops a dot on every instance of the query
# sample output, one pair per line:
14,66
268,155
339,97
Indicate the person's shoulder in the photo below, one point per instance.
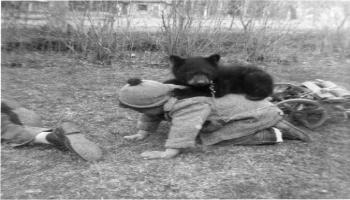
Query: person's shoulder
193,101
240,100
198,99
241,97
233,97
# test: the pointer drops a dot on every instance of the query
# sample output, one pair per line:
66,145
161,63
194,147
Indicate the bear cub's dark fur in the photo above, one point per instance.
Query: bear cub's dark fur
201,72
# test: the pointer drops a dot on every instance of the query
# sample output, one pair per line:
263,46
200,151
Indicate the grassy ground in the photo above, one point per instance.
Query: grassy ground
59,87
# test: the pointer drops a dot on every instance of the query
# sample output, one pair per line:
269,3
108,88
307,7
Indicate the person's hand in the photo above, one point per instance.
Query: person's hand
140,135
168,153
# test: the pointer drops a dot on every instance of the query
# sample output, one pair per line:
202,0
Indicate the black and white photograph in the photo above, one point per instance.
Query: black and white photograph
175,99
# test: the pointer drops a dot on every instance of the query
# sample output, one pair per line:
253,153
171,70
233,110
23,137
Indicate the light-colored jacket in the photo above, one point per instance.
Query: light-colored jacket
214,120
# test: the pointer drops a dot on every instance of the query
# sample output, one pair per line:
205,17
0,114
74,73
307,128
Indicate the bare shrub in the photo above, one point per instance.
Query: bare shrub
254,33
107,35
333,21
263,29
185,34
246,30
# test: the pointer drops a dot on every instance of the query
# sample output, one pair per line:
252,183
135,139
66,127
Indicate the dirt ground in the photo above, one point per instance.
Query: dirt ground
60,87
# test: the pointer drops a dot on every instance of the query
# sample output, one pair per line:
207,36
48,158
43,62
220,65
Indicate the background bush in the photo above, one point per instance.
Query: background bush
255,33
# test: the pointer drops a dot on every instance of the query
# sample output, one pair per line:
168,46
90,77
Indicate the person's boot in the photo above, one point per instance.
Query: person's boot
57,139
67,136
291,132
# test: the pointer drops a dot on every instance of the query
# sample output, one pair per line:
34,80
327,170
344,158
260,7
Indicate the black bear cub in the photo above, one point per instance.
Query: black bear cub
206,77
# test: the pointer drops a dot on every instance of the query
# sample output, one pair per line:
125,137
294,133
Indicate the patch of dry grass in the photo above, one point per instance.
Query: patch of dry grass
59,87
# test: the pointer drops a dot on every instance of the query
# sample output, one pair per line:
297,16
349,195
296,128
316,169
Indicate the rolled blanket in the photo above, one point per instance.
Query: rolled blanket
333,88
327,89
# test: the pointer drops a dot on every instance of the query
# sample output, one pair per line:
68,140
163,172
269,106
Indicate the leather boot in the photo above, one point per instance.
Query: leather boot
68,137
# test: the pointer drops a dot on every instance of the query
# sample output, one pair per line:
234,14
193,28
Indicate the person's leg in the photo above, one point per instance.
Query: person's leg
265,137
260,120
41,137
291,132
16,134
282,130
20,126
67,136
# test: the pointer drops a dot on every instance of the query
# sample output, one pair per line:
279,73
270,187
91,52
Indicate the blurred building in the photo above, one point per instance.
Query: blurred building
137,8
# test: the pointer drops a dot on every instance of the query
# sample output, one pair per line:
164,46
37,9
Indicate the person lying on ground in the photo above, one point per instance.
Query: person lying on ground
21,126
203,120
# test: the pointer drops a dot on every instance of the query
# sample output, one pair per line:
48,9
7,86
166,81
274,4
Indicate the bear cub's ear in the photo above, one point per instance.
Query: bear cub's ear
176,60
214,58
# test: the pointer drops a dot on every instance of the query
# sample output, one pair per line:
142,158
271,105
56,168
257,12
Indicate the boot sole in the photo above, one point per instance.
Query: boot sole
86,149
